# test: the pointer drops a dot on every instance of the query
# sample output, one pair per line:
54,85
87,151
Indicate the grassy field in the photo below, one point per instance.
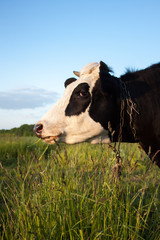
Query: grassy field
74,192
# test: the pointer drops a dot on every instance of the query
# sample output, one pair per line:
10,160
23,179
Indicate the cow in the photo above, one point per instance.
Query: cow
100,107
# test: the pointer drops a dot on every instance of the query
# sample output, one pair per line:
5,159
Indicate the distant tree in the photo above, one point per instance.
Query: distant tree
23,130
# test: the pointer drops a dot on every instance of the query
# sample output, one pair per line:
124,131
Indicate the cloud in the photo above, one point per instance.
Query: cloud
15,118
29,98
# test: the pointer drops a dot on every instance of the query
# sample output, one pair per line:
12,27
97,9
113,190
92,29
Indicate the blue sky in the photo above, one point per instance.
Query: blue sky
42,42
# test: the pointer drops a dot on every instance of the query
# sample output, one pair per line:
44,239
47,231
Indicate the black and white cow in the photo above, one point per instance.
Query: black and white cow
97,102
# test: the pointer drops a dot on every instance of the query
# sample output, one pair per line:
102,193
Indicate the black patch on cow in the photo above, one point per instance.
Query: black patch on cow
109,83
103,106
79,100
69,81
105,67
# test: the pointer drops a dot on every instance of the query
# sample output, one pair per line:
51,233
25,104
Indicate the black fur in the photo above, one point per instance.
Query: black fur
69,81
79,100
103,106
109,83
144,89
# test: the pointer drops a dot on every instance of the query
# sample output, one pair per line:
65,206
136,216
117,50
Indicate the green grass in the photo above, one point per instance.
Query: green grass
73,192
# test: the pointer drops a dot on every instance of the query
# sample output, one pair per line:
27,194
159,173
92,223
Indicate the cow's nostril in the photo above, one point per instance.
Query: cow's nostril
38,129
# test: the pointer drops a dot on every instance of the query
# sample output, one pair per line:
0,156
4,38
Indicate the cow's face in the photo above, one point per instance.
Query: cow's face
82,112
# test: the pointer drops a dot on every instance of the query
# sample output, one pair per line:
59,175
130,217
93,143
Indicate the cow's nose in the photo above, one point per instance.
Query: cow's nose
38,129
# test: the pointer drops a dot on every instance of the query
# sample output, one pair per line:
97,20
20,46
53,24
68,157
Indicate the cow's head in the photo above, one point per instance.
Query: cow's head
83,112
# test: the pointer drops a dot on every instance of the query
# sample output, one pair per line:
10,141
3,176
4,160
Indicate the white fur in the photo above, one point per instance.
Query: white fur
74,129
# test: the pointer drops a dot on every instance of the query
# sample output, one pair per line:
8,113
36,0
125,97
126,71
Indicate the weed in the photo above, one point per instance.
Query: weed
70,192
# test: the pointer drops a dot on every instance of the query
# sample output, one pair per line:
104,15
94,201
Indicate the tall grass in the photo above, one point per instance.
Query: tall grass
73,192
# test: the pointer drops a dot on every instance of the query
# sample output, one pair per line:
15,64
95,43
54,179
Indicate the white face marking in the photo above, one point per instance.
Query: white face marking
78,128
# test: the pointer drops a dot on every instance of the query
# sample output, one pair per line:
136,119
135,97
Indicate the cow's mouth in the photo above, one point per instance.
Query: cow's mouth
50,139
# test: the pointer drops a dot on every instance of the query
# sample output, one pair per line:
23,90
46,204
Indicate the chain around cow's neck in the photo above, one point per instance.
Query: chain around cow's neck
126,99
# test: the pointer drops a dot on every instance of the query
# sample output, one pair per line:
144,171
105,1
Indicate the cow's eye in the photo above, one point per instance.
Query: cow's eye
83,94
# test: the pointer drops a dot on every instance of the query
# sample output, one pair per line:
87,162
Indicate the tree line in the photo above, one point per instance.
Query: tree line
23,130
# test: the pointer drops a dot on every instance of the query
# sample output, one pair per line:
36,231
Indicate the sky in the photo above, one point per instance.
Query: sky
42,42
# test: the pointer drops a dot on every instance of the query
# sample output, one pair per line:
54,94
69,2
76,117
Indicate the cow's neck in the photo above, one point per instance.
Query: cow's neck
125,126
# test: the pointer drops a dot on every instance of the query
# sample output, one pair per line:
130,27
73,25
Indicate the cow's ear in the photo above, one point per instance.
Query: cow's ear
69,81
109,83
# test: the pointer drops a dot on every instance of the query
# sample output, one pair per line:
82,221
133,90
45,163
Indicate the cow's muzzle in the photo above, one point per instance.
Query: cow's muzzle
38,130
